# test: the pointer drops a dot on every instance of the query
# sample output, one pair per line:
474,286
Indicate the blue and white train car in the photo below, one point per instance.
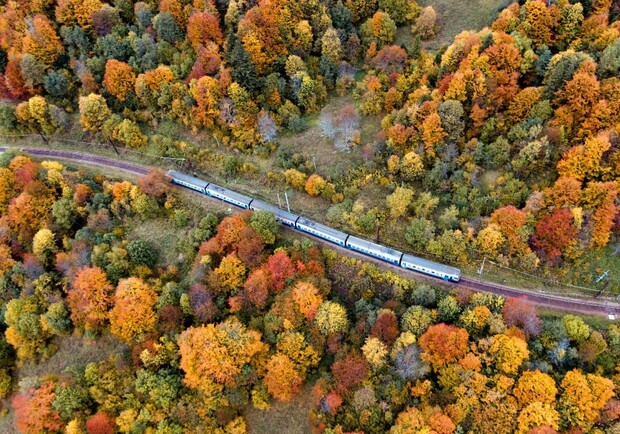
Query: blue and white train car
429,267
282,216
229,196
378,251
321,231
188,181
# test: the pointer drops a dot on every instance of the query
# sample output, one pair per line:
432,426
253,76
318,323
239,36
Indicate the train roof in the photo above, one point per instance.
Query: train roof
230,194
431,264
319,227
264,206
370,245
187,178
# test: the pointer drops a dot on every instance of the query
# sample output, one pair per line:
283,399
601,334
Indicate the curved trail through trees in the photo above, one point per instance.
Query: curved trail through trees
540,299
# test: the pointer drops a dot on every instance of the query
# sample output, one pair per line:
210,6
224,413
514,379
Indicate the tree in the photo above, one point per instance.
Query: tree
64,212
215,354
535,386
265,224
202,28
331,317
42,41
307,298
537,415
206,91
385,326
231,272
443,344
167,28
141,252
426,24
522,313
280,268
554,233
511,222
582,398
331,46
155,184
402,11
100,423
349,371
129,134
72,12
375,352
256,287
24,330
490,240
94,112
509,352
419,232
432,134
301,353
282,379
33,412
119,79
44,245
361,8
577,330
416,319
90,298
133,314
379,29
411,166
540,23
315,184
399,201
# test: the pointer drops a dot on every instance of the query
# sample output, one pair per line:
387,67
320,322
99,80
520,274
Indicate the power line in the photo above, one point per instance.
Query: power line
548,281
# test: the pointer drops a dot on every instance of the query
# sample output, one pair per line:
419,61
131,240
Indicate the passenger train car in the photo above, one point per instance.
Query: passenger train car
303,224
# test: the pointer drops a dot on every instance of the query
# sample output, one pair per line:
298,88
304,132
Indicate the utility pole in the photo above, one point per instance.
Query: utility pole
602,276
482,266
314,161
279,202
287,204
599,279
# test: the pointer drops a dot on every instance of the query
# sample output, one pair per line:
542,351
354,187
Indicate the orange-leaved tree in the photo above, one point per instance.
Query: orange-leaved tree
90,298
212,356
443,344
119,79
133,314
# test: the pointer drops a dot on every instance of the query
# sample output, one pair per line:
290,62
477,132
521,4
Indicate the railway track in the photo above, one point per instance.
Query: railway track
551,301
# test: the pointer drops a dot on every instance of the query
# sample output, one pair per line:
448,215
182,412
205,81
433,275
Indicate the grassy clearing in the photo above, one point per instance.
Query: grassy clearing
282,417
330,162
161,233
453,18
73,350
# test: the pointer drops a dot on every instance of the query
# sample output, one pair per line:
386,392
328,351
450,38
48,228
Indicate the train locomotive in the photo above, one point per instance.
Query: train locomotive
389,255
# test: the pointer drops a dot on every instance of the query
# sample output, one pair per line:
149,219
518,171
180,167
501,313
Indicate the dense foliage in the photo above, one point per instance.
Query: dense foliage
504,144
233,315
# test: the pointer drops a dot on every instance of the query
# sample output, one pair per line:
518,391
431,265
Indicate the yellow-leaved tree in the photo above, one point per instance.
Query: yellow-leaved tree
133,314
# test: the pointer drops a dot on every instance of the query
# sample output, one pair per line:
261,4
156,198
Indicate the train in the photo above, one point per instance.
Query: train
334,236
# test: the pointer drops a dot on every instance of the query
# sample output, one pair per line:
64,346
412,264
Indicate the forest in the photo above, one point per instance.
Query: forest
503,144
234,314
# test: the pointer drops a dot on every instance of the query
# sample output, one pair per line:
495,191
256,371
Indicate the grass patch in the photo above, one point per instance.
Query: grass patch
454,17
283,417
160,232
593,264
330,162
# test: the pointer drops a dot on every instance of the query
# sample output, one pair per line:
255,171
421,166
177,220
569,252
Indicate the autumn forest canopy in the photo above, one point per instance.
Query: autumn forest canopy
503,144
